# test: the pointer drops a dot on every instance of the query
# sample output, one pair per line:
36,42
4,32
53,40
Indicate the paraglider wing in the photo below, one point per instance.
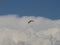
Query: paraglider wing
30,21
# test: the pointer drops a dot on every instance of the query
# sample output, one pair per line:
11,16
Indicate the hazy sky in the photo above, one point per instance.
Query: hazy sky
44,8
17,31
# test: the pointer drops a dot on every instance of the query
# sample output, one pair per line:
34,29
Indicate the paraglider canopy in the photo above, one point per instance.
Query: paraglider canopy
30,21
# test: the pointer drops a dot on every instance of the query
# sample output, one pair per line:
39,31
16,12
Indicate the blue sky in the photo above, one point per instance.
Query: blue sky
44,8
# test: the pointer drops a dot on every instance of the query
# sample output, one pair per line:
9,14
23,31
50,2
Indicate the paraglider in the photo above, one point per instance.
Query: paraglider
30,21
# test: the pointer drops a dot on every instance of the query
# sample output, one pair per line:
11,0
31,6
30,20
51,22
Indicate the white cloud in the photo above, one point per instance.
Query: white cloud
17,31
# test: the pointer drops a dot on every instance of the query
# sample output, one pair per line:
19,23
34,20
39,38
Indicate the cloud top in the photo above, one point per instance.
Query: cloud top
17,31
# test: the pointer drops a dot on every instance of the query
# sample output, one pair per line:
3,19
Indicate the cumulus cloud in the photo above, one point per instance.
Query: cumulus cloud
17,31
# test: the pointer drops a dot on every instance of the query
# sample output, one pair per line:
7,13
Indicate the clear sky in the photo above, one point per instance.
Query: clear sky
44,8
